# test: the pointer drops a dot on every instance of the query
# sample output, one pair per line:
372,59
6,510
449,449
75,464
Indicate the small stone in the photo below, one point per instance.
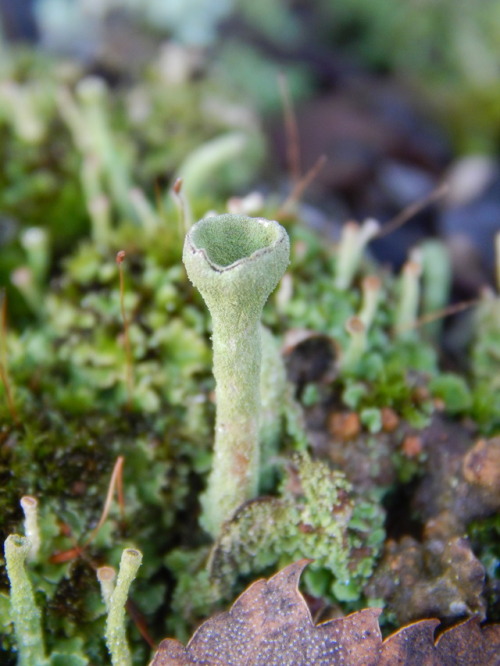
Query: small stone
412,446
344,425
390,419
481,465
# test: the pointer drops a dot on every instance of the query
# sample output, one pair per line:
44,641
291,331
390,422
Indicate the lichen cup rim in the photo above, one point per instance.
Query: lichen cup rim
272,235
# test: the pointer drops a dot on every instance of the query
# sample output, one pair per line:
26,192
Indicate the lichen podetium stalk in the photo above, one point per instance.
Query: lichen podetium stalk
235,262
116,638
25,614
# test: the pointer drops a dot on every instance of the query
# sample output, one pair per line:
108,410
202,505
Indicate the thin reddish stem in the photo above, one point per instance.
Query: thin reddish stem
4,375
440,314
299,188
291,131
140,623
114,482
128,350
412,210
180,203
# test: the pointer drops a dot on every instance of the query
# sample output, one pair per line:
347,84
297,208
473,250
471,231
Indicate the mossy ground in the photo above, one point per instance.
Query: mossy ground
74,415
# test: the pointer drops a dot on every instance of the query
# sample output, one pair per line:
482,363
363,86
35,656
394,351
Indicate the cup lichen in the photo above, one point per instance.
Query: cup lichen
235,262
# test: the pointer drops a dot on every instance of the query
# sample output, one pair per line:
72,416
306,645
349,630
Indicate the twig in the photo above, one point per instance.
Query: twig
440,314
115,482
412,210
140,622
180,203
291,131
8,394
299,188
79,551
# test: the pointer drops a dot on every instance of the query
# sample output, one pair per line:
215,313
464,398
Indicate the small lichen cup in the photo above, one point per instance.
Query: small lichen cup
235,262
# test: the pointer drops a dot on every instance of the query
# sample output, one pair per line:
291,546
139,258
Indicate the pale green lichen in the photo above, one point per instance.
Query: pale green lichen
25,614
316,515
116,638
27,617
485,364
235,262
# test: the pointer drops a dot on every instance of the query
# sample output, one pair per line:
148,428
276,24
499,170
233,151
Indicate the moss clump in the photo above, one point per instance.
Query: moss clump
315,515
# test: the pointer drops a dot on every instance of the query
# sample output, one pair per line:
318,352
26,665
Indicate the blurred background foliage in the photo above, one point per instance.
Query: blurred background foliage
446,49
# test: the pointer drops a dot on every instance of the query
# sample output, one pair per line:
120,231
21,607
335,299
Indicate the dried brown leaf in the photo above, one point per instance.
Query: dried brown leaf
270,625
413,644
466,644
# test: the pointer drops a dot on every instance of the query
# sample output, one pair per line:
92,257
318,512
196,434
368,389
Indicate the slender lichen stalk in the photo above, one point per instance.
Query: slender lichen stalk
436,281
24,611
235,262
116,638
106,577
29,506
352,244
409,297
371,287
356,347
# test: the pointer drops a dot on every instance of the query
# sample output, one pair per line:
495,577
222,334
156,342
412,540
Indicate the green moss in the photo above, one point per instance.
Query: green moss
485,538
454,392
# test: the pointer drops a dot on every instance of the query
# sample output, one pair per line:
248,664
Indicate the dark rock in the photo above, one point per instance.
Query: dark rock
471,215
18,21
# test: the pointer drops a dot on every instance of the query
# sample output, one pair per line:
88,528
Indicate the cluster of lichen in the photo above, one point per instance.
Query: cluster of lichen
77,152
76,414
73,431
25,615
